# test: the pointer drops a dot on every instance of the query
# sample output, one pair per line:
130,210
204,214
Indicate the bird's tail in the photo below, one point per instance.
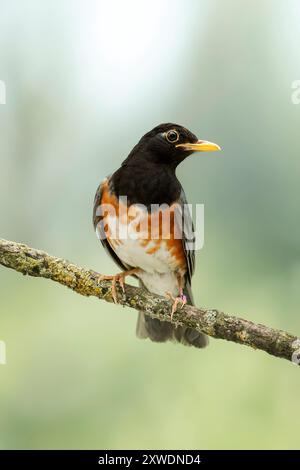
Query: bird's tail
162,331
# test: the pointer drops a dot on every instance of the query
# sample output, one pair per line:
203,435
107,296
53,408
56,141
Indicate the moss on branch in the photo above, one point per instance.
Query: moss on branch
213,322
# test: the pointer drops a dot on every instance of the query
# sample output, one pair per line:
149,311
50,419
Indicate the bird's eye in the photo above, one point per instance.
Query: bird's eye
172,136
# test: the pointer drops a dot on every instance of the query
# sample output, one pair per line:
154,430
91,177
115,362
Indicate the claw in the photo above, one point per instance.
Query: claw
176,301
113,280
120,278
122,283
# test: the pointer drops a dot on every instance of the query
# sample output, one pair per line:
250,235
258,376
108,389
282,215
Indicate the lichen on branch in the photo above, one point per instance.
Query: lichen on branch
213,322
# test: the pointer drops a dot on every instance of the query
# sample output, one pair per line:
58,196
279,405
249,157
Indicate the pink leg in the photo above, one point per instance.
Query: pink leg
180,300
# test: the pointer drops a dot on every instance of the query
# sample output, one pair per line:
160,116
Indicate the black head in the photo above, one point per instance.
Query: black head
168,144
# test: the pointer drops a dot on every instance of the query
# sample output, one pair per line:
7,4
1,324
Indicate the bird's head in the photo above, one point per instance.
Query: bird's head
169,144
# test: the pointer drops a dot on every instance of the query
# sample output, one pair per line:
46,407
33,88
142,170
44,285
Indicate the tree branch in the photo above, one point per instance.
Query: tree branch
214,323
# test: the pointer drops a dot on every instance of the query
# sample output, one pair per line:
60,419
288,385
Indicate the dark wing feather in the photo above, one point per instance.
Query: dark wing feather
98,226
184,220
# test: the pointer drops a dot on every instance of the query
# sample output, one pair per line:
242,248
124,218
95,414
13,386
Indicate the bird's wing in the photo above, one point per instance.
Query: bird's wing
184,218
98,226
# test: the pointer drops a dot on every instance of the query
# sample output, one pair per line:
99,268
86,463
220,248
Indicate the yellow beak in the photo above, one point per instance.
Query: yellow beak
200,146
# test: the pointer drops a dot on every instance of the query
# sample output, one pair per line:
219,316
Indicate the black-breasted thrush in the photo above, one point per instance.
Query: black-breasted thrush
141,218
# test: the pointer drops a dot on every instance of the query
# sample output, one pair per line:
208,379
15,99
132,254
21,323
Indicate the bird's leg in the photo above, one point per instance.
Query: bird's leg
120,278
181,299
176,301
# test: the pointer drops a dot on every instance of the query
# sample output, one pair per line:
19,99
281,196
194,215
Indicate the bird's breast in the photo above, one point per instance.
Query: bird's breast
150,241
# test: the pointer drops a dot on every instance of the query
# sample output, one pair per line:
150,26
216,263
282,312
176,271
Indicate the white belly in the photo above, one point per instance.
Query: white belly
155,268
134,254
160,284
158,268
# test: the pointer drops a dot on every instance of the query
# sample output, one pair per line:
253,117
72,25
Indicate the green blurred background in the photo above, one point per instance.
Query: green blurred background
85,79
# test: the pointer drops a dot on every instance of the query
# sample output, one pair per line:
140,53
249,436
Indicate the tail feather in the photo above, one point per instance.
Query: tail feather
154,329
162,331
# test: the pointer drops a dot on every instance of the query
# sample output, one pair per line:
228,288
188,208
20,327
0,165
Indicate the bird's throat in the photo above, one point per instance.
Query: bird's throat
146,184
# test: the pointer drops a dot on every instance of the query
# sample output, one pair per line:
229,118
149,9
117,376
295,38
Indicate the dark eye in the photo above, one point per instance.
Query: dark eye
172,136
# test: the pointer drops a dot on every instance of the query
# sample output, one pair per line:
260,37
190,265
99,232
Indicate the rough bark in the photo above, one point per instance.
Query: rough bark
213,322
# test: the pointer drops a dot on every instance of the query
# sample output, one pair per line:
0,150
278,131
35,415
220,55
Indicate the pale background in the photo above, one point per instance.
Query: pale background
85,79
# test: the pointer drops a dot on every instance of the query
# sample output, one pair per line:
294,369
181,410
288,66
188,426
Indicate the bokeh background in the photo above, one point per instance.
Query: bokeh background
85,79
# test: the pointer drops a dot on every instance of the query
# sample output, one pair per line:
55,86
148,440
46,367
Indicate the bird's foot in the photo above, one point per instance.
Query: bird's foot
181,300
117,278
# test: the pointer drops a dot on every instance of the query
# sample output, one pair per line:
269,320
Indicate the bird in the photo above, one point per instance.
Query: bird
138,216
